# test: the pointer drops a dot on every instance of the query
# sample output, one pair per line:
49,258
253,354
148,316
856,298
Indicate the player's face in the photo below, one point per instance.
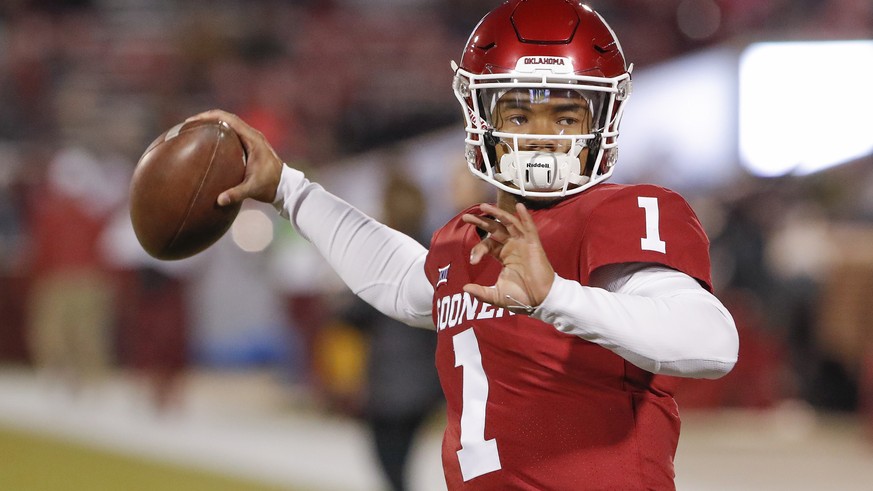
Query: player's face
542,112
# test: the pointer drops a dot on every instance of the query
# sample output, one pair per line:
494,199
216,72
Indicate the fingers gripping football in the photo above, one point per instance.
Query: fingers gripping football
263,165
512,239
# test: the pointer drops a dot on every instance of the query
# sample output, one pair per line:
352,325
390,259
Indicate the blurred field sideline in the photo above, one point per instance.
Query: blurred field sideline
241,425
243,432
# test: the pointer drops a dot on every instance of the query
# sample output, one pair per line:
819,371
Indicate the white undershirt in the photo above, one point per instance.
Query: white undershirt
657,318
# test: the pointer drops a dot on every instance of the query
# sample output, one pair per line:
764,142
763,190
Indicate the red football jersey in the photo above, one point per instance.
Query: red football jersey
532,408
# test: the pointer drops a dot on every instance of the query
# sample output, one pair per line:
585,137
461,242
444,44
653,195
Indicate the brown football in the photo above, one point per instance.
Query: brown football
175,186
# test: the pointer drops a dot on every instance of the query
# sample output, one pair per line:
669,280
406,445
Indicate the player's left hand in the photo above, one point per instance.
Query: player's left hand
527,274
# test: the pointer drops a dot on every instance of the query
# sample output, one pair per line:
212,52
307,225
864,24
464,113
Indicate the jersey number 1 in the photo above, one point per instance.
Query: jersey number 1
477,455
652,240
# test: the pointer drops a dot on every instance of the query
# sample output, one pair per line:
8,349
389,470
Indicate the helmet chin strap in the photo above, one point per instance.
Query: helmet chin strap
593,150
542,171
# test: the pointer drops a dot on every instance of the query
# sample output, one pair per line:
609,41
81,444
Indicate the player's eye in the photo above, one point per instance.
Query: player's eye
517,119
568,121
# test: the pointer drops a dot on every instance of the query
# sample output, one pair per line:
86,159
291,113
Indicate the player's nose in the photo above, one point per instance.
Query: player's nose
541,126
540,144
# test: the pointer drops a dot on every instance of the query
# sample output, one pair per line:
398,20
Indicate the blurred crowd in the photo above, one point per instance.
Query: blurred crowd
85,85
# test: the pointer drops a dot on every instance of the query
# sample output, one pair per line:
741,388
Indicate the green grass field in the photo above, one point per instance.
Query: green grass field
33,462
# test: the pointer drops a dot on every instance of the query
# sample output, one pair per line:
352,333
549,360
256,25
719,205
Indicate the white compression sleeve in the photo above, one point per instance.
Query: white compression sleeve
657,318
379,264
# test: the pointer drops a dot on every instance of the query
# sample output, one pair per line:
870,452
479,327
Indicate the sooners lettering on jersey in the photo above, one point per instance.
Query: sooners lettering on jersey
530,408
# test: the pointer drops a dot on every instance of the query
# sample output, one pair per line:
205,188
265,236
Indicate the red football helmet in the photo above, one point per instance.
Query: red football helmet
535,51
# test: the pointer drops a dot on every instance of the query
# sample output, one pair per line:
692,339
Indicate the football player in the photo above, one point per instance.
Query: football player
564,311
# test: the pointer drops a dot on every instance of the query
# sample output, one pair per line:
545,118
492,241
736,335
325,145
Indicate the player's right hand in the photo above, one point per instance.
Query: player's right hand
263,166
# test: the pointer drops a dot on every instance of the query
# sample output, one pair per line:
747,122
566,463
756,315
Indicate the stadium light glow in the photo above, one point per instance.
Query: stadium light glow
680,127
804,106
252,231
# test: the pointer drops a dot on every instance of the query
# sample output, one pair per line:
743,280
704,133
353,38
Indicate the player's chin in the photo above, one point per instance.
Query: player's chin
539,202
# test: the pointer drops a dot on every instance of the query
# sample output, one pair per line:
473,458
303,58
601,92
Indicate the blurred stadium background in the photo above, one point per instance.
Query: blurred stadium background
236,369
